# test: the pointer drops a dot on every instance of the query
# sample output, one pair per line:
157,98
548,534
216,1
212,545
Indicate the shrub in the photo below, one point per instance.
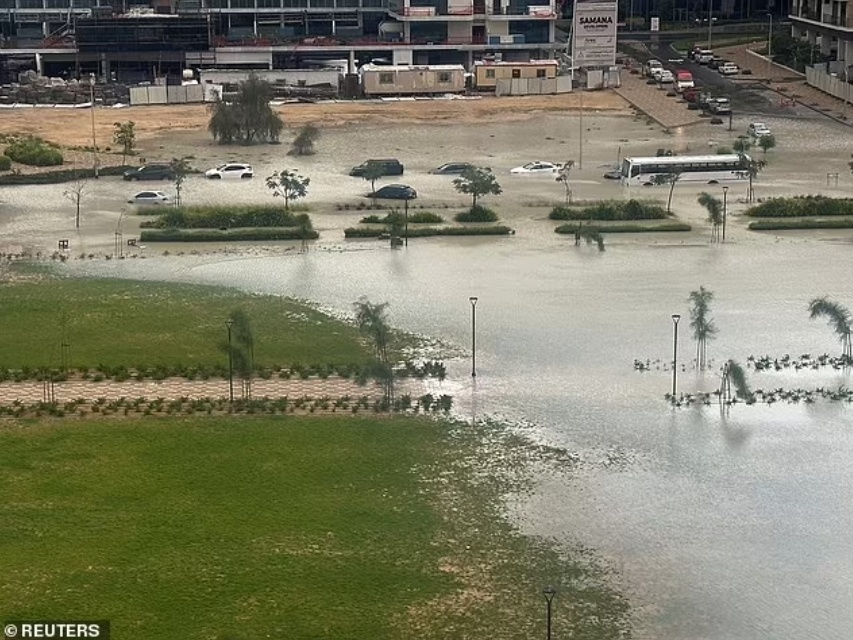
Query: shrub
424,232
802,207
477,213
422,217
54,177
216,235
217,217
34,152
5,163
801,223
611,210
571,228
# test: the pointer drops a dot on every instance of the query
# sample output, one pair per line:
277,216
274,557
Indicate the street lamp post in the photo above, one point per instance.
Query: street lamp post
229,323
94,139
675,319
473,301
725,209
769,46
549,592
406,209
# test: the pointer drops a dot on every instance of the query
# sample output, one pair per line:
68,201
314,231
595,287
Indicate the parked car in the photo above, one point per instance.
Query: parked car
666,77
683,80
394,192
150,172
455,168
537,167
389,166
613,174
230,170
729,69
758,130
715,62
704,56
651,67
721,106
150,197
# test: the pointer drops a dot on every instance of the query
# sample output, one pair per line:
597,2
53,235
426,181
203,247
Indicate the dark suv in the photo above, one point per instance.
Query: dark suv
390,167
150,172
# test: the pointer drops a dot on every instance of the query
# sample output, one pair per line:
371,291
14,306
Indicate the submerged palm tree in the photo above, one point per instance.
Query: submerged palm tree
715,213
701,323
371,321
242,349
734,375
839,318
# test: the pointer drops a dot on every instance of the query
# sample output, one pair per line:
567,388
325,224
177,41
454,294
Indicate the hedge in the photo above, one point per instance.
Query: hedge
802,207
612,210
234,216
801,223
34,152
215,235
476,214
64,175
571,228
354,232
422,217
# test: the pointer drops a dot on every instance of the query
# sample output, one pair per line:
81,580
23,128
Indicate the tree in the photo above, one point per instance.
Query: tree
289,185
715,213
734,375
751,169
767,142
701,322
76,194
839,318
248,118
125,136
742,145
303,144
850,164
477,182
372,172
242,349
371,321
563,177
667,178
180,169
592,235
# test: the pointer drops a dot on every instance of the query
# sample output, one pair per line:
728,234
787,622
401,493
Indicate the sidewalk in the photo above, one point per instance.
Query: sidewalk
668,111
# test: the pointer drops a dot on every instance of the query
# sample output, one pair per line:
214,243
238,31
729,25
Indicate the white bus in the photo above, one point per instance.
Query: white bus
708,169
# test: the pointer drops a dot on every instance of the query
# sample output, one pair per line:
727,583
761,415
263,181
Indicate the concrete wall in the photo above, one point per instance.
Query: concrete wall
166,95
533,86
459,31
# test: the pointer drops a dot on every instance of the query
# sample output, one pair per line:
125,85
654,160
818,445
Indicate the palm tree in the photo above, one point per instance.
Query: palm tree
242,349
371,321
734,375
839,319
715,213
701,323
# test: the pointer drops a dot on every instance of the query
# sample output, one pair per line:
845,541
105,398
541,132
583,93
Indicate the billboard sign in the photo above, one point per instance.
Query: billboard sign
594,33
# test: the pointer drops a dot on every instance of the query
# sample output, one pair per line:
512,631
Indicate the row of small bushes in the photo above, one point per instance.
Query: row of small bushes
206,217
611,210
5,163
571,228
497,230
218,235
802,207
801,223
476,213
422,217
34,151
63,175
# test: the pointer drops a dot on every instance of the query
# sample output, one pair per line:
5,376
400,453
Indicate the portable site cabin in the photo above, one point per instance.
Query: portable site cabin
487,73
382,80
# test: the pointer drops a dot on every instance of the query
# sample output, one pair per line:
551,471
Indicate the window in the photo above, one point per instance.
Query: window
31,4
490,73
540,73
444,77
386,78
516,73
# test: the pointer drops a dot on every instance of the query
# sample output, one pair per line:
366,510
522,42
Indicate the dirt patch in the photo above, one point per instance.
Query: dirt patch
73,127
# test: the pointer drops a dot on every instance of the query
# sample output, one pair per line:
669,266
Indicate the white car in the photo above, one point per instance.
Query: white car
150,197
728,69
758,130
666,77
230,170
537,167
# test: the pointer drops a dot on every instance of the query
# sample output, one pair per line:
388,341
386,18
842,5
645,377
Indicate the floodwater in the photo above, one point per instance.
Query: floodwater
730,526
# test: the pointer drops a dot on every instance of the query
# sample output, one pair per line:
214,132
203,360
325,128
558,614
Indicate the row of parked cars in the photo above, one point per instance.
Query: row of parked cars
708,58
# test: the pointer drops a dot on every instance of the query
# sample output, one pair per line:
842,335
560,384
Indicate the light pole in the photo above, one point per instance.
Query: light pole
406,208
725,209
229,323
675,319
710,20
473,301
94,139
769,46
549,592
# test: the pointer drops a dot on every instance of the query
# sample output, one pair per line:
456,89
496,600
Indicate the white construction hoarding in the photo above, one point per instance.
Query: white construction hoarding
594,33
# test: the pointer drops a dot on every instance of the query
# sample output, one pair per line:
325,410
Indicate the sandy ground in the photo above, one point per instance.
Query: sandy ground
73,127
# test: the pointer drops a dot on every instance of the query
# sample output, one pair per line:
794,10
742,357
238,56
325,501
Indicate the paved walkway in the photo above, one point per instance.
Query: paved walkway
668,111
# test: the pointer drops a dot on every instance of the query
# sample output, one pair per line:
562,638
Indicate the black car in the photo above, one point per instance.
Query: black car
456,168
394,192
388,166
150,172
613,174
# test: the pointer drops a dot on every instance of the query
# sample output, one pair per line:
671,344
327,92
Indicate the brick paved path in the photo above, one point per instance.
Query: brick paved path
669,112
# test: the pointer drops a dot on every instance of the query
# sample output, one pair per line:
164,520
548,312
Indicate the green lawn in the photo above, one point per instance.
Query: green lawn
280,528
116,322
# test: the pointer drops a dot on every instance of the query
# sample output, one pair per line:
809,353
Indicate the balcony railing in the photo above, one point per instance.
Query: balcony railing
339,41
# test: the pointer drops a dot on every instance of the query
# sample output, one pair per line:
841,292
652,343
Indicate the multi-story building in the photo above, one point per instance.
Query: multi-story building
117,39
825,23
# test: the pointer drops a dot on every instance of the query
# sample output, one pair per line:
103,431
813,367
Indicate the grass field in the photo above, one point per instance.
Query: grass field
115,322
280,528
